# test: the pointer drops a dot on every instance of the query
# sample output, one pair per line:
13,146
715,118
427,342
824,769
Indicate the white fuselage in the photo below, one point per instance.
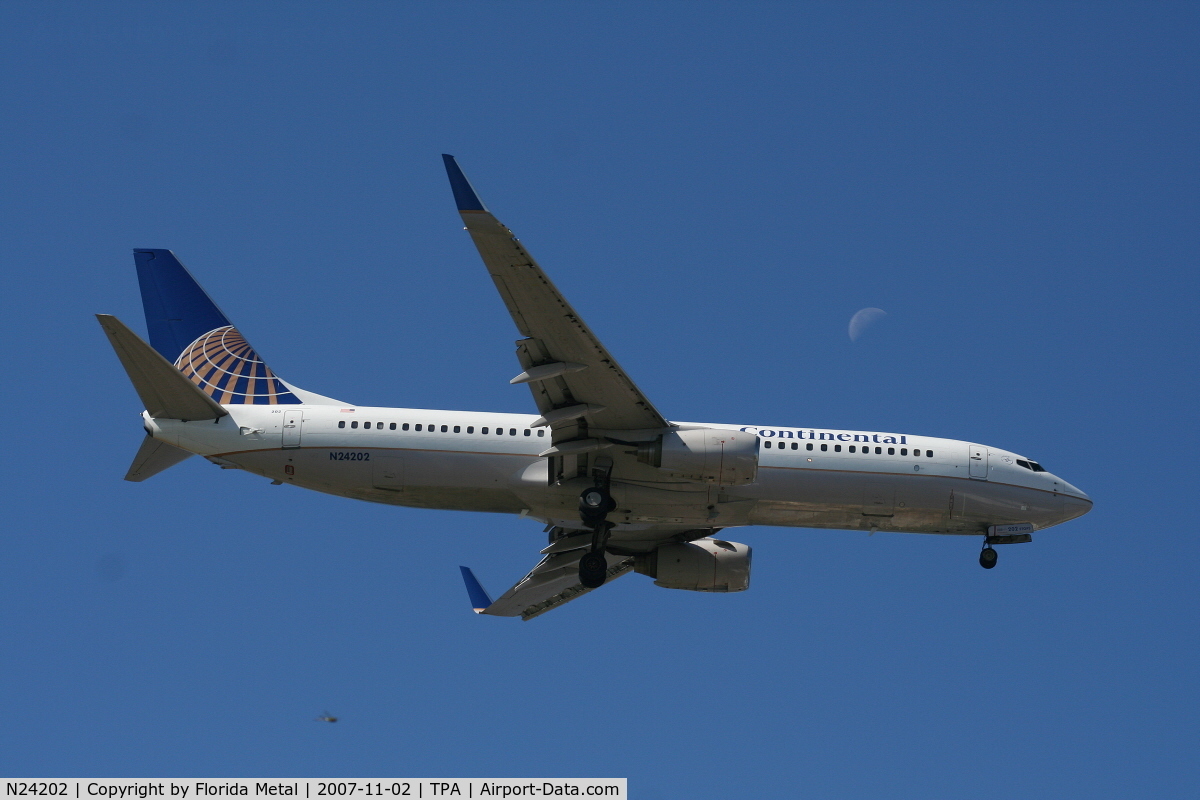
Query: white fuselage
479,461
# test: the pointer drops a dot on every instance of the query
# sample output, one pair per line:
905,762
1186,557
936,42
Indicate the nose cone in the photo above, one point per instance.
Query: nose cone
1075,502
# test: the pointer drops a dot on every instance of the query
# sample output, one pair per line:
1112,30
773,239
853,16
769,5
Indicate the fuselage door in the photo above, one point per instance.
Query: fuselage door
978,461
293,421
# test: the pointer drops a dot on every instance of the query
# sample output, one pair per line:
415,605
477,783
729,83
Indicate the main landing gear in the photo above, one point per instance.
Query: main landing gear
594,505
593,569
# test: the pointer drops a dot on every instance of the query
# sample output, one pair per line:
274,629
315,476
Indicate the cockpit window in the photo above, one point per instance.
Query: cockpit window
1024,464
1037,467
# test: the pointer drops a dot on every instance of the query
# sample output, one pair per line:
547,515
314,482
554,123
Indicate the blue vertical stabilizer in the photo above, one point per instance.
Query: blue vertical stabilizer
178,311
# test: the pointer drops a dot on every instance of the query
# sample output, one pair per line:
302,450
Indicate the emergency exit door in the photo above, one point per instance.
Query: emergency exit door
293,422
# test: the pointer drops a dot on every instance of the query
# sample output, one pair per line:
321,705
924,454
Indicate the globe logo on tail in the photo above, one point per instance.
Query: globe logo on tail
224,365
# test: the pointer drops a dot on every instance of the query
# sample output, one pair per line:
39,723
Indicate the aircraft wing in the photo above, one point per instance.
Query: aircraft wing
553,582
572,376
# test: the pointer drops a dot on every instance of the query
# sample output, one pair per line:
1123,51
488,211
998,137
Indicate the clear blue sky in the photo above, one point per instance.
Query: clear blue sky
717,188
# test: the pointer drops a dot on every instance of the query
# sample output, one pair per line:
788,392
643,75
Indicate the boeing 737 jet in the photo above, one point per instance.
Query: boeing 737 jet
619,487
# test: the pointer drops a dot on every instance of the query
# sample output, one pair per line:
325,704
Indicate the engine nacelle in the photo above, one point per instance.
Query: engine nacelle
705,565
729,458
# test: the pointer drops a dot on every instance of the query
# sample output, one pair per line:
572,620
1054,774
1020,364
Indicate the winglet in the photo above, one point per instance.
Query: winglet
464,194
479,598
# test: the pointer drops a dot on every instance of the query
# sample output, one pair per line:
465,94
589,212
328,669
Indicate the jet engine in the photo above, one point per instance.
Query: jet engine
729,458
705,565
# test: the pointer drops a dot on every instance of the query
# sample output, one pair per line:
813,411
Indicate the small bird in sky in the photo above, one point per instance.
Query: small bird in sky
325,717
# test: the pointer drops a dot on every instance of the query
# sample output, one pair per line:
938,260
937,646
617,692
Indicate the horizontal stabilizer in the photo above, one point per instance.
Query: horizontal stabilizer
479,598
152,458
164,390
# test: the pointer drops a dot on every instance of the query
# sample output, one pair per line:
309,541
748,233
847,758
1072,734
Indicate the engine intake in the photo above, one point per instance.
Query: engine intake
705,565
729,458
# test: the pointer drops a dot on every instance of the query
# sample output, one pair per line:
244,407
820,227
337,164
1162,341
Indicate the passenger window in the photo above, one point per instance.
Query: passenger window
470,429
824,447
809,446
457,429
878,451
354,424
903,451
404,427
512,431
417,426
767,445
483,430
342,423
445,428
367,425
541,431
392,427
837,448
851,449
527,433
891,451
795,446
929,454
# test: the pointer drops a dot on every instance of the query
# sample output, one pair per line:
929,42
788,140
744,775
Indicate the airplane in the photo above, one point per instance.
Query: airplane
618,486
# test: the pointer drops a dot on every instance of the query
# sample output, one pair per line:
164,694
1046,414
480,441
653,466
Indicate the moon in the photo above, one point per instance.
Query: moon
862,319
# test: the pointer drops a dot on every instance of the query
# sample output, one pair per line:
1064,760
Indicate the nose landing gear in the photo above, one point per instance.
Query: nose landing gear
1017,533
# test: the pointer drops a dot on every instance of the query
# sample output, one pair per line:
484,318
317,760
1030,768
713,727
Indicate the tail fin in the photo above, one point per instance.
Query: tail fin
188,329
